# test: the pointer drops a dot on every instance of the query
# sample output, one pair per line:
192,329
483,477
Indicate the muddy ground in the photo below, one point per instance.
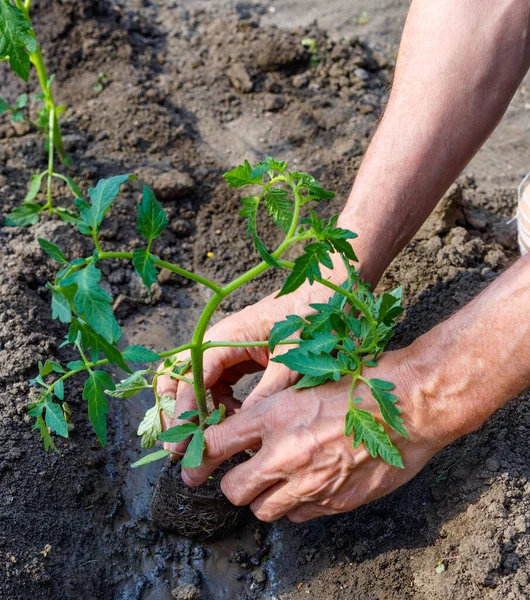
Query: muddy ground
189,93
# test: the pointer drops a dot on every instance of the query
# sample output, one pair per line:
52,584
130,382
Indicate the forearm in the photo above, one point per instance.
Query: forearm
467,367
459,64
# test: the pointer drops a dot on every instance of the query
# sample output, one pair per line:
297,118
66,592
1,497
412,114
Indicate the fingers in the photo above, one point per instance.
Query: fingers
242,484
235,434
276,502
306,512
276,378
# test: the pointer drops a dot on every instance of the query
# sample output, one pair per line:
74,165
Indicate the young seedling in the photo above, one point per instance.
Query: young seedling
19,46
343,337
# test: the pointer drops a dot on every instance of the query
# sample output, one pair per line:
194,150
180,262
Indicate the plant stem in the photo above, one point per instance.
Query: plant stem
48,204
208,345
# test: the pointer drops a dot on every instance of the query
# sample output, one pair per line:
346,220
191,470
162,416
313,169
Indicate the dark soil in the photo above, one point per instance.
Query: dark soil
189,95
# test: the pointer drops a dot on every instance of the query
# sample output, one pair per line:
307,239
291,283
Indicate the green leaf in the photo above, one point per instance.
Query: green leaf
382,384
151,216
55,419
44,433
35,186
130,386
4,106
309,381
308,363
366,429
279,207
96,343
75,365
61,307
74,188
25,214
250,211
388,408
188,414
320,342
389,307
139,354
22,101
53,250
193,457
16,38
144,266
58,389
94,394
150,427
92,302
283,329
217,415
179,433
151,458
241,176
101,198
167,404
68,216
305,267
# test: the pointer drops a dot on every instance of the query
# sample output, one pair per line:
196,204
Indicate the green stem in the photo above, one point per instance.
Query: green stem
208,345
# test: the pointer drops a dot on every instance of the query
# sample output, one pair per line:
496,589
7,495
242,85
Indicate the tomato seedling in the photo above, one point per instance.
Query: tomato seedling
19,46
342,337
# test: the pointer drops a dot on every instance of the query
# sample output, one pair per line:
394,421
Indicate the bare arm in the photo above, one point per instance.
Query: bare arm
459,64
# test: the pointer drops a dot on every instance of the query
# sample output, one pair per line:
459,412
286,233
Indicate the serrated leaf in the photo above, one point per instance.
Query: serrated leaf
179,433
130,386
382,384
250,212
366,429
193,457
139,354
217,415
154,456
94,342
61,307
58,389
16,38
320,342
54,418
151,216
92,302
25,214
308,363
35,186
189,414
94,394
36,409
68,216
241,176
283,329
101,198
305,267
150,427
53,250
309,381
167,404
388,408
144,266
279,207
45,434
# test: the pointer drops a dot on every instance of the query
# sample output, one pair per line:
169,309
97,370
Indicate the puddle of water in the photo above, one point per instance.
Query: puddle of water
220,577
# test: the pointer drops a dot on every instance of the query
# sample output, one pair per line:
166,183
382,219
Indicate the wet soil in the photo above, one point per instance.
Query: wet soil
190,92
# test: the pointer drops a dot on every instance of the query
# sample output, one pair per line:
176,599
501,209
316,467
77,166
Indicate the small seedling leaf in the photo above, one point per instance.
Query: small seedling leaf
96,343
193,457
58,389
279,207
54,418
241,176
151,216
144,266
53,250
16,38
25,214
388,408
179,433
154,456
61,307
150,427
217,415
167,404
308,363
130,386
35,186
45,436
139,354
94,394
283,329
189,414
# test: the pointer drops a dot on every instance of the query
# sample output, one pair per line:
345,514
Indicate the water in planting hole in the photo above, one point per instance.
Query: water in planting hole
226,569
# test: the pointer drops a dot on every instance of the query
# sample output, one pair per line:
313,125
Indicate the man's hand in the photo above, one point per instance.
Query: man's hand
305,466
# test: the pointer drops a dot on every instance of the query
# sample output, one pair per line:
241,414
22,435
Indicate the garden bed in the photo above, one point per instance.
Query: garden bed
186,96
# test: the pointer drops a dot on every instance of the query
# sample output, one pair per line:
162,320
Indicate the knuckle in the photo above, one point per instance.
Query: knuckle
297,517
263,514
214,442
232,491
